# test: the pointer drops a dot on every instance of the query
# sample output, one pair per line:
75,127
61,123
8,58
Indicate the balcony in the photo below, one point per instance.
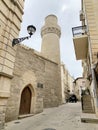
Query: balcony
80,39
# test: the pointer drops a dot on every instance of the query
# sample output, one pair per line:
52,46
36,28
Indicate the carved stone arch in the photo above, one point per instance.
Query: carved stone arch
32,89
28,84
25,101
29,79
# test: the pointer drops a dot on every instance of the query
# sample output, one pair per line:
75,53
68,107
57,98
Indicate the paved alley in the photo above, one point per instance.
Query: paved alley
64,117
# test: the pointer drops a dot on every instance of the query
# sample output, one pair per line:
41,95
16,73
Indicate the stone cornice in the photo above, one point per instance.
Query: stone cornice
50,30
38,54
4,94
6,75
17,3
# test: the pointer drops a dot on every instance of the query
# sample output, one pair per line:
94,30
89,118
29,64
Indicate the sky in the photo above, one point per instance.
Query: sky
67,12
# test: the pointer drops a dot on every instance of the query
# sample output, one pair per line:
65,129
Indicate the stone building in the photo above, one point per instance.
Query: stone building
70,83
80,84
29,80
36,82
67,83
85,39
11,12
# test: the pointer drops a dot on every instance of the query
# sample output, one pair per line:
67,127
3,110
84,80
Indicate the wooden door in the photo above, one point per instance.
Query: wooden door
25,103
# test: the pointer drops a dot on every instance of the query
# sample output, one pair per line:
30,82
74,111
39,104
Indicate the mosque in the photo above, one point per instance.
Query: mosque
29,80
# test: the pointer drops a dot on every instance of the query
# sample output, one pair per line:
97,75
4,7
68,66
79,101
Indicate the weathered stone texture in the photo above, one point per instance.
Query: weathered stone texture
31,68
52,85
10,19
51,33
11,12
91,12
2,112
2,120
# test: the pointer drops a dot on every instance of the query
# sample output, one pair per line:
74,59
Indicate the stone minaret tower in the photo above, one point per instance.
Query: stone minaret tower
51,33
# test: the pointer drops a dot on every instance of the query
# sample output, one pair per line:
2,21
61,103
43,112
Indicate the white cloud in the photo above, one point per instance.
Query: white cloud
64,7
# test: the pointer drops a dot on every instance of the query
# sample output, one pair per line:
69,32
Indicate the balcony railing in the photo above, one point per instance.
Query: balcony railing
80,30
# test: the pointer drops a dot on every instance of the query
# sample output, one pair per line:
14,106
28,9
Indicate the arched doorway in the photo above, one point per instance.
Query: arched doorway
25,102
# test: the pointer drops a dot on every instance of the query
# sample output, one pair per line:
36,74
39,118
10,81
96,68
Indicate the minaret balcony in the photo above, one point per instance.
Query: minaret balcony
80,40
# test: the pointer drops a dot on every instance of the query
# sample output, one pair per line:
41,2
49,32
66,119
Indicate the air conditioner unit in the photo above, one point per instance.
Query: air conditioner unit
82,15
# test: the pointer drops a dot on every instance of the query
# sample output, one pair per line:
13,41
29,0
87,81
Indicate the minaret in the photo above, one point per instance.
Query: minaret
51,33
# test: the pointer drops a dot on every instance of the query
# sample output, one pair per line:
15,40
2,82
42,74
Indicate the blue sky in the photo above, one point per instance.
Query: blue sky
67,12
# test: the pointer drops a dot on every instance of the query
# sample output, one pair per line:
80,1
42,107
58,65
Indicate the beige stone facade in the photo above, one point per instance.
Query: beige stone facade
64,81
29,72
29,80
9,28
87,40
51,33
67,83
36,79
80,84
70,83
92,23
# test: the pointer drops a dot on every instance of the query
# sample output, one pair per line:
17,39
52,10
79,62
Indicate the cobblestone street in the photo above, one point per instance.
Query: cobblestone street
64,117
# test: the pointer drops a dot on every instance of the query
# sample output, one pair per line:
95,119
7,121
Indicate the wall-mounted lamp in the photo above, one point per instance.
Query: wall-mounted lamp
31,30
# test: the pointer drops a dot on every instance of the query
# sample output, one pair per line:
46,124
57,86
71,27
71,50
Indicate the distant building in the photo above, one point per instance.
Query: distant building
80,84
70,83
67,83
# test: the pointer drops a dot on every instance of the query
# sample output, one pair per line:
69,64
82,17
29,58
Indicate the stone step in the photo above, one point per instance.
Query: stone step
24,116
87,98
86,103
89,118
89,104
88,108
88,111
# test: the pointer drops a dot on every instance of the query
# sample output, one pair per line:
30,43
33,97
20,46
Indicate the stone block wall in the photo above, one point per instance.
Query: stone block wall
91,7
11,12
31,68
52,86
10,22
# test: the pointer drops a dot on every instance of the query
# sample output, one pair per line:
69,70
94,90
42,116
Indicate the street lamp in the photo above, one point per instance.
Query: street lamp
31,30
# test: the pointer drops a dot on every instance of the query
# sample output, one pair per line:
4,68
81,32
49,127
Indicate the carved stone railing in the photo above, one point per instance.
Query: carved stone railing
51,30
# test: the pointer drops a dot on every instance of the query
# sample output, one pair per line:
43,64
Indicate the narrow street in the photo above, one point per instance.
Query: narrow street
64,117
